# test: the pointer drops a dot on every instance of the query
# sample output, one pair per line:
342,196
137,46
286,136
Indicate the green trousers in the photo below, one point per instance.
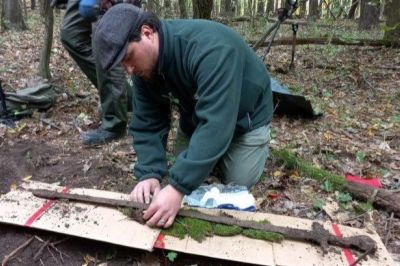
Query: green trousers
114,90
244,162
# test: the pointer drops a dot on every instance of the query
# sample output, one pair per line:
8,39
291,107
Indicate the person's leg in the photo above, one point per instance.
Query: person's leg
76,36
243,163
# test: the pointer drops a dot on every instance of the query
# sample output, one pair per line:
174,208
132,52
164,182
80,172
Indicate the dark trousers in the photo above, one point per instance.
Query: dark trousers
114,90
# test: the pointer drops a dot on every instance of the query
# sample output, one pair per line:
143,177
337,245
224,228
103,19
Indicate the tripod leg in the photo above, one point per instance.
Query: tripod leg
295,27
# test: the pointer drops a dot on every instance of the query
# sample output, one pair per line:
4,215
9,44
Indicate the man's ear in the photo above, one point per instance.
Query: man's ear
146,30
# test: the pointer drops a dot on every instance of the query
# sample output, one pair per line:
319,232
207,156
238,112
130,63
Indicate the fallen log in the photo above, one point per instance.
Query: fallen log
381,198
318,235
334,41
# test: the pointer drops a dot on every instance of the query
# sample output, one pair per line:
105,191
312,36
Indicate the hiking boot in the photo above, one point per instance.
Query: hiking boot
100,136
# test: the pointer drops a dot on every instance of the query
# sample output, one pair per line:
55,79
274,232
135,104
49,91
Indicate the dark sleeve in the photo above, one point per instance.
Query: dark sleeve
150,124
218,75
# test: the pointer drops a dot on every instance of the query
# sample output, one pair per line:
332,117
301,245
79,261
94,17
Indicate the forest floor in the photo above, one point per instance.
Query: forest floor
356,88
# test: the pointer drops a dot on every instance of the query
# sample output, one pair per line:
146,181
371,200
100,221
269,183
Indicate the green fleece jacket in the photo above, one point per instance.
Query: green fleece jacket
222,90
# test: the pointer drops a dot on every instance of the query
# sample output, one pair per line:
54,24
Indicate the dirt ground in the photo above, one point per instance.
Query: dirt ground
357,89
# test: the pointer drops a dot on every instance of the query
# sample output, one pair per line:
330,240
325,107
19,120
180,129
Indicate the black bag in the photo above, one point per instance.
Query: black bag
15,105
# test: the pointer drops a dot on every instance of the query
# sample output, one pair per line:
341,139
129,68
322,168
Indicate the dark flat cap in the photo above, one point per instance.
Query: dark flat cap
112,34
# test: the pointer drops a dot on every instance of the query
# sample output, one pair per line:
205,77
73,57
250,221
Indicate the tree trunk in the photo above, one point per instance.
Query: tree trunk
202,9
33,4
25,8
369,15
303,8
12,15
183,9
249,8
46,13
261,7
353,8
314,10
168,9
270,6
153,6
228,8
392,13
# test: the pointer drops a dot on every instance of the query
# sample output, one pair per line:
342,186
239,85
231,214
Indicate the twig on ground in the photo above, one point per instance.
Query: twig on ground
40,251
54,257
15,251
38,238
361,257
355,217
389,67
78,127
49,123
389,229
41,262
55,243
59,251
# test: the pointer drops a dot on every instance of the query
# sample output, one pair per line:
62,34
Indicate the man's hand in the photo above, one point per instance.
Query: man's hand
142,191
164,207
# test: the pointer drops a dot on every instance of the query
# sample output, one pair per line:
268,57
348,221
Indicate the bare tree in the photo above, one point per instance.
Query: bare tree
369,15
11,17
392,11
47,15
153,6
353,8
228,8
261,7
303,8
183,9
202,9
24,7
270,6
168,12
314,10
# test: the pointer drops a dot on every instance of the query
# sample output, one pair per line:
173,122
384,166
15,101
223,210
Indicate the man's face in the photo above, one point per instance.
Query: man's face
141,57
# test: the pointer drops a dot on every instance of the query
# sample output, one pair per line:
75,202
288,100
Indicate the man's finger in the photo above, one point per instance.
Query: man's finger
149,212
156,190
155,219
169,222
146,192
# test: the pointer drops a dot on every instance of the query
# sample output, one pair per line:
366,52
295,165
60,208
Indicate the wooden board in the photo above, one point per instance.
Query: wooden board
109,225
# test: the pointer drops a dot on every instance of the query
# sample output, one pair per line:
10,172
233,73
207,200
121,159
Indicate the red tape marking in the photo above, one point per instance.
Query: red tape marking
346,251
42,210
160,241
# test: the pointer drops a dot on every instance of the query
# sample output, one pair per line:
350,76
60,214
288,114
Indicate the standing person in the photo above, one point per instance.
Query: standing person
223,94
113,88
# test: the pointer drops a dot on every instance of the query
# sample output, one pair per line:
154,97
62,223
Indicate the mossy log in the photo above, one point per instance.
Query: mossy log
381,198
